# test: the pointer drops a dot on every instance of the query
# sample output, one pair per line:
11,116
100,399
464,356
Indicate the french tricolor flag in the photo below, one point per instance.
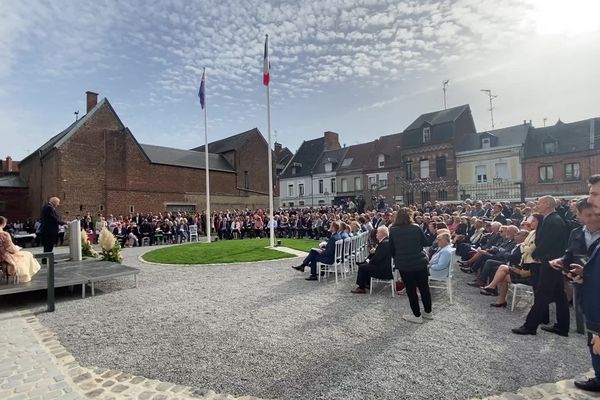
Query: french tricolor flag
266,63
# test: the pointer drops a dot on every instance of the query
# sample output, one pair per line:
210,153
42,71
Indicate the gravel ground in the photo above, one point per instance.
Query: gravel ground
262,330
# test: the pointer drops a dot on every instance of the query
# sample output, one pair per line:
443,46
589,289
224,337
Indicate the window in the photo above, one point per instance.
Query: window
485,143
501,171
409,170
347,162
425,196
328,167
424,166
426,134
344,185
301,203
246,180
131,209
301,189
481,173
357,184
290,190
101,207
383,182
549,147
320,186
572,172
294,170
333,188
291,204
381,161
81,207
372,181
410,198
440,166
546,173
442,195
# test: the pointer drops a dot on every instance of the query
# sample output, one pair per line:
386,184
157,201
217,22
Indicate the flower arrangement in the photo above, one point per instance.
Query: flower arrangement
111,249
86,246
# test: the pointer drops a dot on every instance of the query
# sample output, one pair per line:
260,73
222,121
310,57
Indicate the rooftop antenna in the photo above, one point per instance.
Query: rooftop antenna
545,119
76,115
444,87
275,135
492,97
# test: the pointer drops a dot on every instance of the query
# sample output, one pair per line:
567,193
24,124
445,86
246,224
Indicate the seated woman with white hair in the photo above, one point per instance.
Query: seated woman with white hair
439,265
379,265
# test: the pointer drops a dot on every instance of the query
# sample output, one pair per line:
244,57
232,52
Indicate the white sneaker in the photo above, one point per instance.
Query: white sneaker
427,315
412,318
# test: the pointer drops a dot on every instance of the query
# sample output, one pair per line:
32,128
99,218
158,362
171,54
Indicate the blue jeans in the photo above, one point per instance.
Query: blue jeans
312,259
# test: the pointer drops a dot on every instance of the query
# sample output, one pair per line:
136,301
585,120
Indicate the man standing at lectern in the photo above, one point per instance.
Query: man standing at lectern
49,224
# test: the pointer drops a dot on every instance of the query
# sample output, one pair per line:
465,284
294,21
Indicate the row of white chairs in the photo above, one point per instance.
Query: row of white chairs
348,253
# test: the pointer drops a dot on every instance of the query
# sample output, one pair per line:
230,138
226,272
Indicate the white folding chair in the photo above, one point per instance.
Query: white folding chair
337,265
346,257
445,283
515,288
193,235
392,281
354,252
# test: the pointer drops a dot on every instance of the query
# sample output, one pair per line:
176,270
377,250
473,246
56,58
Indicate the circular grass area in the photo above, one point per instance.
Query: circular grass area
225,252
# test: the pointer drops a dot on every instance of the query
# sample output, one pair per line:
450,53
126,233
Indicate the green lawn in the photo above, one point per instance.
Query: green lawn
300,244
225,251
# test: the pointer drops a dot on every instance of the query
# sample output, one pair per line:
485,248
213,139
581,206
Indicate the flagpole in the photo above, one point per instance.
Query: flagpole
206,169
270,154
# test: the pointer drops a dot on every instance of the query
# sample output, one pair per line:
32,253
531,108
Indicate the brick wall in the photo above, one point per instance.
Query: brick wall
12,203
589,162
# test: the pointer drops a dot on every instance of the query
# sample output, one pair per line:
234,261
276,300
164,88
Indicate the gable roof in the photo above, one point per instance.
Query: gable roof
305,158
59,139
390,147
335,156
509,136
283,156
570,137
185,158
438,117
358,155
229,143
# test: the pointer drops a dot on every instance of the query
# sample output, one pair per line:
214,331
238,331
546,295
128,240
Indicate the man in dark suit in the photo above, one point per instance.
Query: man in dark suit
325,256
497,214
379,265
49,224
551,240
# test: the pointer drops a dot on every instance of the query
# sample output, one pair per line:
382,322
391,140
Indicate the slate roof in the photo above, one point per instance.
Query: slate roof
283,156
360,154
12,181
438,117
570,137
390,146
60,138
307,155
336,156
509,136
185,158
229,143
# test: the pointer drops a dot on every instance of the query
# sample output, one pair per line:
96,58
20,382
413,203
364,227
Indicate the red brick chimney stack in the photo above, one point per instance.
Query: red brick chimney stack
8,165
92,100
332,140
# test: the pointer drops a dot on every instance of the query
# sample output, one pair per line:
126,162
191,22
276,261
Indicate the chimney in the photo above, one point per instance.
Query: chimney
524,122
332,141
278,147
8,165
92,100
592,133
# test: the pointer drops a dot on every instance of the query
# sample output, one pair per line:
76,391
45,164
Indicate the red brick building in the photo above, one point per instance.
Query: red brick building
13,191
559,159
96,165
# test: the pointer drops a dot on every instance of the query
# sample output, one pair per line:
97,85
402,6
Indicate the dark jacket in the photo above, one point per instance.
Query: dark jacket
590,293
406,245
328,253
49,222
551,238
382,258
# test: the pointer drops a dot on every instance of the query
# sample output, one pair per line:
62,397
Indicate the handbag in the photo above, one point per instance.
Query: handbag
399,286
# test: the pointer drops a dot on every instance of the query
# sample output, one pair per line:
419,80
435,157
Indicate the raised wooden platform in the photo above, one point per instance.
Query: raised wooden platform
72,273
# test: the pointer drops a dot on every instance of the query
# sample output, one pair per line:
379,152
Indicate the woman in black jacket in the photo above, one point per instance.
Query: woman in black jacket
406,244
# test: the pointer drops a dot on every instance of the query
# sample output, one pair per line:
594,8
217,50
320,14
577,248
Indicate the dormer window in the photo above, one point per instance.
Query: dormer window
328,167
294,170
426,134
550,147
485,143
381,161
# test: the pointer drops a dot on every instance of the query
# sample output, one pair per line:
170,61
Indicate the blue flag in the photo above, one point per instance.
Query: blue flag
201,92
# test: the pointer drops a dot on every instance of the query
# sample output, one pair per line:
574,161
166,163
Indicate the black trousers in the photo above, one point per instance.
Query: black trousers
368,271
413,280
48,241
535,281
550,289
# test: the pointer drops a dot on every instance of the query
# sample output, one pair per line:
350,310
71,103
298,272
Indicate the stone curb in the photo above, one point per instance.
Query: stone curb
104,384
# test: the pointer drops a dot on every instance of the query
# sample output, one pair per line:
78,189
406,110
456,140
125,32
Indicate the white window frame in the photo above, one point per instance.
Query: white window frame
290,190
301,189
481,177
321,186
424,169
344,184
381,161
426,134
357,183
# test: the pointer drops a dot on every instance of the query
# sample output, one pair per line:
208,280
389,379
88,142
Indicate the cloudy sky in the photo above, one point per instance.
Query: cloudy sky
363,68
